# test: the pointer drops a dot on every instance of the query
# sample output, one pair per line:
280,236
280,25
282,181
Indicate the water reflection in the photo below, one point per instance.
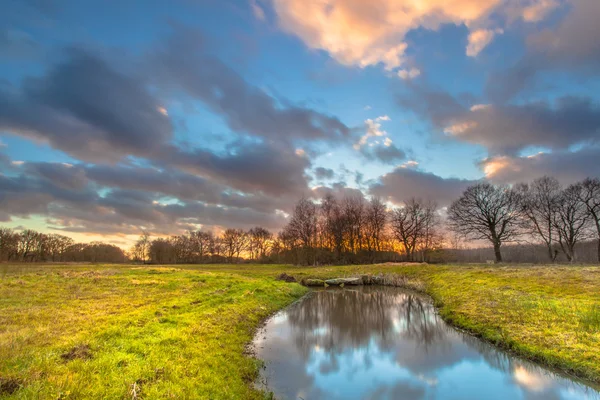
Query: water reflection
387,343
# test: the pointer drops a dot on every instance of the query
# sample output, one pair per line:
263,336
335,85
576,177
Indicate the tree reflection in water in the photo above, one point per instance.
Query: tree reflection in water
384,342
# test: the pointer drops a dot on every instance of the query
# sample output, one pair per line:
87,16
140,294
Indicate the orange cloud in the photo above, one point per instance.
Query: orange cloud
369,32
493,166
479,39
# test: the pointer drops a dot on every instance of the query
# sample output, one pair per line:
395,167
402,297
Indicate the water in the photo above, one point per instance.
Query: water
388,343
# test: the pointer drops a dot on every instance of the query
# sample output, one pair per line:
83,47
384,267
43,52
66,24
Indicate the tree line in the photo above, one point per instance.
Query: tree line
32,246
541,212
537,215
348,230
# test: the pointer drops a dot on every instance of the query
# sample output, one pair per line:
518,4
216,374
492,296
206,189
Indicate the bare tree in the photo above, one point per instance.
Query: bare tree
572,220
9,240
431,236
590,196
353,211
234,242
201,243
333,226
412,225
303,227
56,245
28,245
259,240
487,212
162,251
375,218
539,202
141,247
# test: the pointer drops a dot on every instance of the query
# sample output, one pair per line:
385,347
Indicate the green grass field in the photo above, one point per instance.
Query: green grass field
125,331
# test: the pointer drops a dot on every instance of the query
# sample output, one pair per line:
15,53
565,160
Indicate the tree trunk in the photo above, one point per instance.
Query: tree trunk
497,252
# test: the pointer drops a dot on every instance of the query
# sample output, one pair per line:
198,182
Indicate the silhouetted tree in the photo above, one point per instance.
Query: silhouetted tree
572,220
487,212
539,203
590,196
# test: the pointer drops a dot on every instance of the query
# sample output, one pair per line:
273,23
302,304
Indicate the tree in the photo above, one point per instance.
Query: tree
431,236
353,211
259,240
56,245
141,247
333,225
234,242
412,225
303,227
162,251
590,196
29,244
9,240
572,220
539,204
375,218
201,243
487,212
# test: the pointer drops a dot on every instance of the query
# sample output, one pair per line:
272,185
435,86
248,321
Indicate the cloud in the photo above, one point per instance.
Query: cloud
567,166
410,164
68,197
257,10
177,184
338,190
373,129
87,109
568,45
574,40
407,74
386,154
403,183
17,45
324,173
537,11
358,33
509,128
479,39
182,63
261,167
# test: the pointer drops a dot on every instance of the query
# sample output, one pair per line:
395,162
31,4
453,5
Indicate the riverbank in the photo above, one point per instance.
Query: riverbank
83,331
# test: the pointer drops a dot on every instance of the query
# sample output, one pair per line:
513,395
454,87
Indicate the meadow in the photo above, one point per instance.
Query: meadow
132,331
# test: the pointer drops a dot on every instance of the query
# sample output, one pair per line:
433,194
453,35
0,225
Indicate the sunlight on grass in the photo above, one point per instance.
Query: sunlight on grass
118,331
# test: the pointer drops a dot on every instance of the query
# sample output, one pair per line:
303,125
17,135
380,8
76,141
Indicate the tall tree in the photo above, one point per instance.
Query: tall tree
200,244
9,240
411,225
234,242
572,220
141,247
540,201
487,212
259,240
303,227
375,219
590,196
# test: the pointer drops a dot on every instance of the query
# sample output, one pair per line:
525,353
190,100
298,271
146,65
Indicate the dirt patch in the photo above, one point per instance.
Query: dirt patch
82,351
286,278
9,385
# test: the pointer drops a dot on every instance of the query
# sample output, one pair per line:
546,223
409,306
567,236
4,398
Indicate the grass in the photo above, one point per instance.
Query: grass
122,331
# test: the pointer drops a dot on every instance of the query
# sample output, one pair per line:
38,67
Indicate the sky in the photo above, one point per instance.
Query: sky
123,116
